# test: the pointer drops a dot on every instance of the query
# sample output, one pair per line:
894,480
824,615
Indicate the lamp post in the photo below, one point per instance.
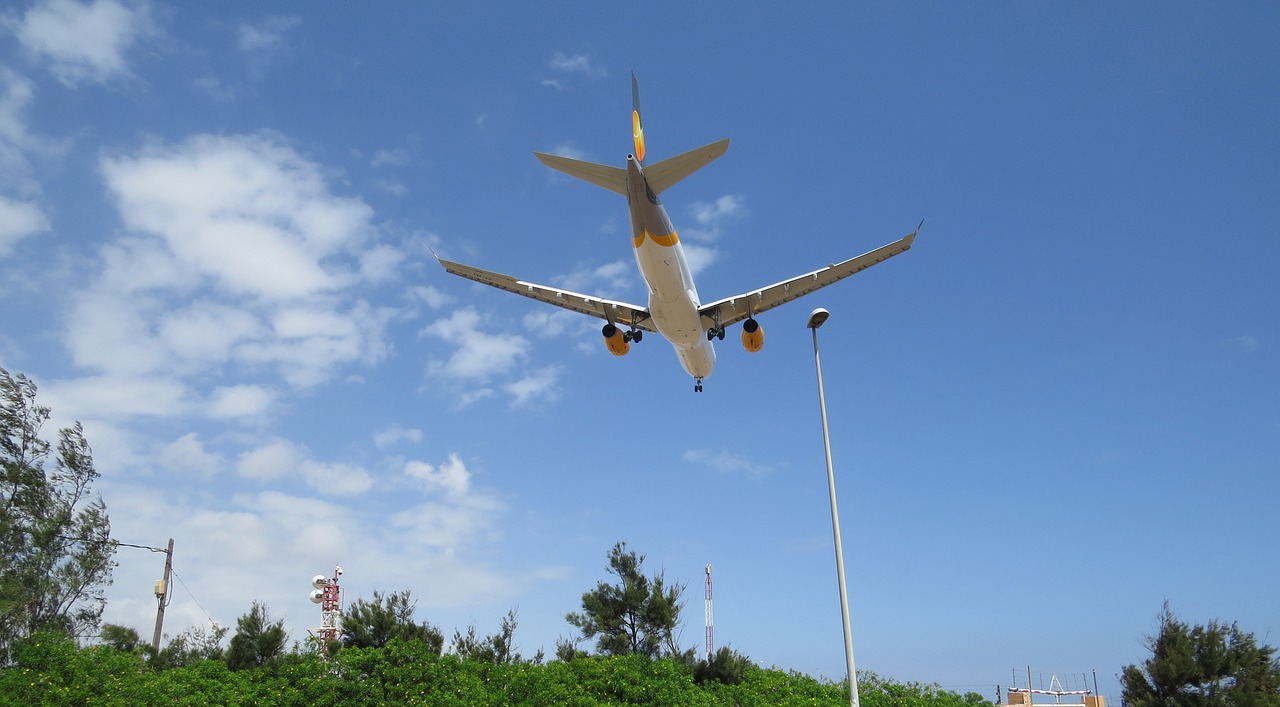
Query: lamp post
816,318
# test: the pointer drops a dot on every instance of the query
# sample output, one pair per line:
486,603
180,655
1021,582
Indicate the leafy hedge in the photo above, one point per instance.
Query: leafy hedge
52,670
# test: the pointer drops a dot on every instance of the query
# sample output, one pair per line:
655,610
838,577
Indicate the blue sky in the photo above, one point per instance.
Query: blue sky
1054,413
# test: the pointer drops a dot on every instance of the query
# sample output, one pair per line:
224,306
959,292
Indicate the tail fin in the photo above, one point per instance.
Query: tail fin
637,130
661,176
666,173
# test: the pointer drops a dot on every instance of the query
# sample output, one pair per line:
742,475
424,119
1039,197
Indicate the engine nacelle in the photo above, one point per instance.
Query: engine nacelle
752,336
614,340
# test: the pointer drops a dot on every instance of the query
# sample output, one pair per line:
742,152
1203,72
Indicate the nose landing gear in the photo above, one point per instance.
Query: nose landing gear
697,385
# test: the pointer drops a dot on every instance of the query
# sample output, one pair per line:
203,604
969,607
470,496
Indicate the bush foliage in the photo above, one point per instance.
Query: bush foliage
52,669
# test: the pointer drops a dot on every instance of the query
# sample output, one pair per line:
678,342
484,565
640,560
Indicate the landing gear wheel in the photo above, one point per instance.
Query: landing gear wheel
720,334
637,335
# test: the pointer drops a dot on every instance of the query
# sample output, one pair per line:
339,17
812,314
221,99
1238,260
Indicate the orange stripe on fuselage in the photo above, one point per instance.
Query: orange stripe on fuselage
664,241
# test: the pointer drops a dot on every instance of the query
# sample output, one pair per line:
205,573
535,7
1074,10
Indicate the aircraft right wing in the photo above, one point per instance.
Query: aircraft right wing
731,310
614,311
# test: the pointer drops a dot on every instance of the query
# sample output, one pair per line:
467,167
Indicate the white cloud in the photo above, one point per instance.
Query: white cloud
251,215
119,396
241,256
187,455
275,460
394,434
699,257
1244,342
478,355
267,35
549,323
240,401
449,526
433,296
390,158
18,145
727,462
607,279
83,42
711,216
282,459
17,221
336,478
452,476
540,383
576,63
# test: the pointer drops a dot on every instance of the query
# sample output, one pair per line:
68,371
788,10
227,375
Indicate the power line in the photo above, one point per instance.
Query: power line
193,596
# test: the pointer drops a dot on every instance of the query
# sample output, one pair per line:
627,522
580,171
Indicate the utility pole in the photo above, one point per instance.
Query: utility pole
162,595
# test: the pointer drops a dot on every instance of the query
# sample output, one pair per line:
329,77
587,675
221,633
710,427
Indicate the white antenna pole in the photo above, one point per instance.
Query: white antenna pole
711,622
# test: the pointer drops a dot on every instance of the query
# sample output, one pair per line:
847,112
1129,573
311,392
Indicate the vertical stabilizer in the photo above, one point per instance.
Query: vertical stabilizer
637,130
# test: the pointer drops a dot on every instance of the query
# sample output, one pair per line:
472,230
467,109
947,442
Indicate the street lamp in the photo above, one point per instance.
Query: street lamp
816,318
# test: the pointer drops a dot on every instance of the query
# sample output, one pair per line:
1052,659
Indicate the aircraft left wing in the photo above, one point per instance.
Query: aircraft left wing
731,310
614,311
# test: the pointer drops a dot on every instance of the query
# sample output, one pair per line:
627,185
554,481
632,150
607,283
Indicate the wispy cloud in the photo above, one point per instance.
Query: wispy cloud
83,42
727,462
281,459
710,217
395,434
266,35
563,66
17,221
1244,342
478,355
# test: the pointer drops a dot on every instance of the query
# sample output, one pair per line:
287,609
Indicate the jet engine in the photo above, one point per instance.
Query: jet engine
617,342
752,336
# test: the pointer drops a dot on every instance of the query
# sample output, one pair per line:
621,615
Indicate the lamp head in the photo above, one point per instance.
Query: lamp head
817,317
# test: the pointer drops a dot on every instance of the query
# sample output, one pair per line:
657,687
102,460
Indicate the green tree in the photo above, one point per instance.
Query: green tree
1215,665
191,646
121,638
638,615
498,648
55,545
258,641
372,624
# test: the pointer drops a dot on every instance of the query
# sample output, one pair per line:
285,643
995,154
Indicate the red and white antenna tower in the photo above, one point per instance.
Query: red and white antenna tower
328,595
711,622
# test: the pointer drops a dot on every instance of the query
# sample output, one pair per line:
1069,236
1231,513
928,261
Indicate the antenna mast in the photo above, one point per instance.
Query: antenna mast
711,623
328,595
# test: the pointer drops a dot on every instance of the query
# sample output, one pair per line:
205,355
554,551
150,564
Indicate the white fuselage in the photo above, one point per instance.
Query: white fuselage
673,298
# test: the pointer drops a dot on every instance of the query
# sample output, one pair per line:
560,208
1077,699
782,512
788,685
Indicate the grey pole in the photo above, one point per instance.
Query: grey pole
816,318
162,595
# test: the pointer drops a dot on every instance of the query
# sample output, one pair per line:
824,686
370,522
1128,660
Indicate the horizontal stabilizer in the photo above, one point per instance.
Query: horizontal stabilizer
602,175
662,175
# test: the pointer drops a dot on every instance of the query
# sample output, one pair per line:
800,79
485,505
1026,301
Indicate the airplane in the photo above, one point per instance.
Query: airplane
674,309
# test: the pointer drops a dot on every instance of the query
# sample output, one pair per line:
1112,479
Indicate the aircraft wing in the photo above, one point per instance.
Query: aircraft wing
739,307
614,311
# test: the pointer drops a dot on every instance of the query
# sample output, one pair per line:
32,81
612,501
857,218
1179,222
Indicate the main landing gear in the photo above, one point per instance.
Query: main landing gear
697,385
634,335
715,332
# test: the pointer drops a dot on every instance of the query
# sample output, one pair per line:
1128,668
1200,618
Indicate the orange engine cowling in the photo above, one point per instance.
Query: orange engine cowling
752,336
615,340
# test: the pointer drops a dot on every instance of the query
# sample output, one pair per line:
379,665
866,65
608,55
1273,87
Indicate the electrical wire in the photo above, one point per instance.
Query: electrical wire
193,596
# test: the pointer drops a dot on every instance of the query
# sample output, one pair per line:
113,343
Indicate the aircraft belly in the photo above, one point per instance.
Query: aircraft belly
698,360
677,320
